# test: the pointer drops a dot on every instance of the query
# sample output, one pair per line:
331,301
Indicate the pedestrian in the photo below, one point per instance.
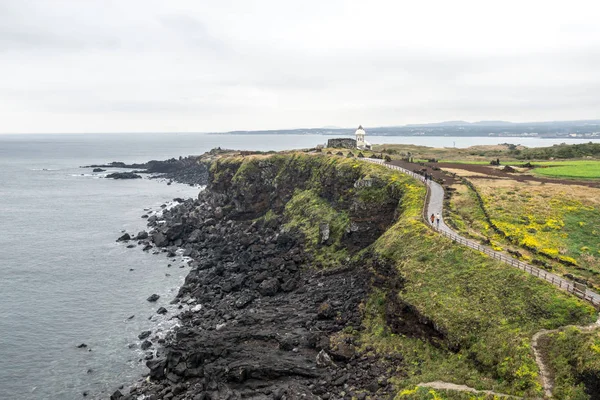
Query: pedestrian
437,220
432,218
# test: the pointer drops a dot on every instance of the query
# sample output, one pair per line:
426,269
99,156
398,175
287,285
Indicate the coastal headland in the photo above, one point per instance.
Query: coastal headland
314,276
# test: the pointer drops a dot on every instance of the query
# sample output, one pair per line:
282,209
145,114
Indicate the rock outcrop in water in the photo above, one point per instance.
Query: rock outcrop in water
270,318
123,175
190,170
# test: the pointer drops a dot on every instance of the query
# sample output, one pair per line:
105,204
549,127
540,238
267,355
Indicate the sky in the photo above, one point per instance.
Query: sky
209,66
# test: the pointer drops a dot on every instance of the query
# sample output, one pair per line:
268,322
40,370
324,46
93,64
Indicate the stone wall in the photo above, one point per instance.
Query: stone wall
342,143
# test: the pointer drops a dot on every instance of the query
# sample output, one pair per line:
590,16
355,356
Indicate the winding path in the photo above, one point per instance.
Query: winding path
435,205
462,388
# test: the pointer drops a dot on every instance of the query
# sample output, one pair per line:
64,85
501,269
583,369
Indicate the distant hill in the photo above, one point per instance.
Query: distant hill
544,129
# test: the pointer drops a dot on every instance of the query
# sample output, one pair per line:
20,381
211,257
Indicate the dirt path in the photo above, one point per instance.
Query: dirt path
545,375
463,388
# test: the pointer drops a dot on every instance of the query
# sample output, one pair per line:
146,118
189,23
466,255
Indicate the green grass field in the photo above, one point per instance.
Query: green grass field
569,169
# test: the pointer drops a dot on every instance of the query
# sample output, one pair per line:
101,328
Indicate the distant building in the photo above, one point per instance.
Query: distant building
361,143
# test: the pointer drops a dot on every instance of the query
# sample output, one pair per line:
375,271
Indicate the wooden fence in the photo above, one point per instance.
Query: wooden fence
577,289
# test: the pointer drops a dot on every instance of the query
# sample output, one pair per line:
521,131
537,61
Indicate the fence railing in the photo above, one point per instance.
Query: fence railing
578,290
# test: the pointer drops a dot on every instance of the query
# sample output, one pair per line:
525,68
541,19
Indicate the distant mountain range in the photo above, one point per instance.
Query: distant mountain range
544,129
508,123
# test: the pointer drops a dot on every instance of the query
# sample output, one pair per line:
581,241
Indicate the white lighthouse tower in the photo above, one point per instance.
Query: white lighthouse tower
361,143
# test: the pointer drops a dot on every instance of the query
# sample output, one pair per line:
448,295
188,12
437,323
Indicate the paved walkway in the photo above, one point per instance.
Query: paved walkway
435,205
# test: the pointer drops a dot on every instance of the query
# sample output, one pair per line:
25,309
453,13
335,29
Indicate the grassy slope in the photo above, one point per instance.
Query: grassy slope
574,357
463,213
486,308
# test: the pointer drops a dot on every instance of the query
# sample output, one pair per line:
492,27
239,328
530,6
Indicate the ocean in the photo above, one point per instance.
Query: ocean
64,280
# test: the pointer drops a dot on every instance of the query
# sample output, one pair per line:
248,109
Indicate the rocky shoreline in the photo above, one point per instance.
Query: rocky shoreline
183,170
260,320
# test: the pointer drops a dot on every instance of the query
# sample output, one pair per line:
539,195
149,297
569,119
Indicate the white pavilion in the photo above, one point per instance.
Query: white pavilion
361,143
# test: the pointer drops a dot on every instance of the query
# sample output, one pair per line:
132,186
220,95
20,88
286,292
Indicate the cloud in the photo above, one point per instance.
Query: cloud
226,65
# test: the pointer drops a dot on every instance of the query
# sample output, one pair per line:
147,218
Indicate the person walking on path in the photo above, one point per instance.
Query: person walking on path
432,218
437,220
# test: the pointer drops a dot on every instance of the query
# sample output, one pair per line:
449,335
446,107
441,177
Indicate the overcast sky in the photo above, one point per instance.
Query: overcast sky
201,66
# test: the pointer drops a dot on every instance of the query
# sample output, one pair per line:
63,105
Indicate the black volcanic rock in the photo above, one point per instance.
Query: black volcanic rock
123,175
153,297
161,311
125,238
257,311
146,344
144,335
269,287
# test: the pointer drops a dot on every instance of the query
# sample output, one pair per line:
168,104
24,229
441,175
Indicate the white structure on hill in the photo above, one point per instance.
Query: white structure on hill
361,143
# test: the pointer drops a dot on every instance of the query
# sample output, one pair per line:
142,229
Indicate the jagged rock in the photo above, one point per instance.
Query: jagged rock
174,231
98,170
194,236
123,175
161,311
124,238
159,239
116,395
141,235
144,335
343,352
218,213
323,360
269,287
244,300
153,297
146,344
157,369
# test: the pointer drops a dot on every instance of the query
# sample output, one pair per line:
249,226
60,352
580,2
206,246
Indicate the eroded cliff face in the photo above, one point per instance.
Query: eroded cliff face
347,188
278,276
